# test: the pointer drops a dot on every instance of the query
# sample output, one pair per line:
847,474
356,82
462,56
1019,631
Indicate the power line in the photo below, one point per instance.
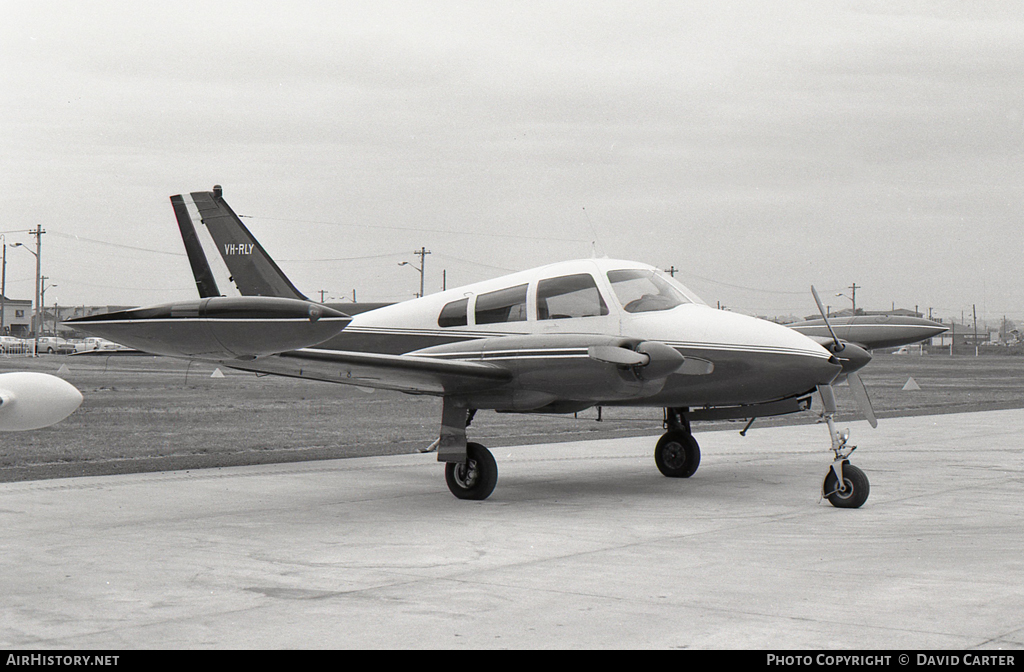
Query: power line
120,245
418,230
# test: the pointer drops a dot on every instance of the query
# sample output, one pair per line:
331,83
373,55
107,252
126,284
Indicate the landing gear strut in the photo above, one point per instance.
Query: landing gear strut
677,453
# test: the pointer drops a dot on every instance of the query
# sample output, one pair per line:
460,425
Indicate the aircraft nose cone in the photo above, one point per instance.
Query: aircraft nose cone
30,400
773,361
934,328
798,371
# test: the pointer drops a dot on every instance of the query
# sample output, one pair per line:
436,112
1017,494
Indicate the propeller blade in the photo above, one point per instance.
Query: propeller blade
860,395
824,316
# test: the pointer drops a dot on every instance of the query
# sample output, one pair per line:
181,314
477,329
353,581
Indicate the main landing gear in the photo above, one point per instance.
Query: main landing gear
677,453
470,470
476,477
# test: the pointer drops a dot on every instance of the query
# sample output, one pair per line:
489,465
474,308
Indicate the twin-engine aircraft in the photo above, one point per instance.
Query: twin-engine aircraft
555,339
871,331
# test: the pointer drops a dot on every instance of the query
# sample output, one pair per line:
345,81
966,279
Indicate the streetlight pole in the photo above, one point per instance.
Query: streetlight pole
42,300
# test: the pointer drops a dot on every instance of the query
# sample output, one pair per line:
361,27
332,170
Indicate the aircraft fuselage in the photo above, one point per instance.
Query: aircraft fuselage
747,360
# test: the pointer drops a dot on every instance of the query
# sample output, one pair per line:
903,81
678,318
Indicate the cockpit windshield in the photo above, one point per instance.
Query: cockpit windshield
642,290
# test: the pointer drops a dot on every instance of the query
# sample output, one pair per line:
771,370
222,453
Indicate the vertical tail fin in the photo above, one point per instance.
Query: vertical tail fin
251,269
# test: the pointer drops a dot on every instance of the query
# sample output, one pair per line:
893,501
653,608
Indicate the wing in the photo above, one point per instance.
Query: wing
402,373
509,371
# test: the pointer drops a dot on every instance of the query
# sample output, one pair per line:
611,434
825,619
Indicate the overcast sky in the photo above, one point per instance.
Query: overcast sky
757,147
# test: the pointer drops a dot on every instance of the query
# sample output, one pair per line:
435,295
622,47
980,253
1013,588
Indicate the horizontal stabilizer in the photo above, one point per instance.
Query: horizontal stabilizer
220,327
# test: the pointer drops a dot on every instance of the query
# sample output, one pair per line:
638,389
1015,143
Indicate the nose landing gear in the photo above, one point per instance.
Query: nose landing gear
845,486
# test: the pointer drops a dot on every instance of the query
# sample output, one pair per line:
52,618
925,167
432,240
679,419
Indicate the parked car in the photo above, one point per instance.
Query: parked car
96,343
12,345
53,345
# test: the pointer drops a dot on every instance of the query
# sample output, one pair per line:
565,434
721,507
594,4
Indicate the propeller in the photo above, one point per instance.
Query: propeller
860,395
852,358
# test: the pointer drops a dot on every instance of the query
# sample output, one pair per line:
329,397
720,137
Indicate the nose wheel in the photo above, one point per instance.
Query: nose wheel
854,489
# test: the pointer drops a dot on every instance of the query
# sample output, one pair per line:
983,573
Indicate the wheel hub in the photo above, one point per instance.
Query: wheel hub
674,455
466,474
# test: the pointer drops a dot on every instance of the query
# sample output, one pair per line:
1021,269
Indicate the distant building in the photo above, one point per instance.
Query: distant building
963,334
16,317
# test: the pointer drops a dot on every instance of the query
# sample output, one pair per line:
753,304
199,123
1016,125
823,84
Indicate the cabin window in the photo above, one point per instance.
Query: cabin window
453,314
641,291
569,296
504,305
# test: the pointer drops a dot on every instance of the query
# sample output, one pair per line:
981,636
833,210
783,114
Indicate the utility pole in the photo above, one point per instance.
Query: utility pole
422,253
853,297
322,292
423,265
974,310
3,288
38,233
671,270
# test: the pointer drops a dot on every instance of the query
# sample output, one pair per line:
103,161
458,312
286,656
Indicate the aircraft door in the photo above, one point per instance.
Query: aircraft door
573,304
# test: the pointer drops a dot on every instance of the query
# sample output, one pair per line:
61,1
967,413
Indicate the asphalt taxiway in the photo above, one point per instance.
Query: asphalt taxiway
581,545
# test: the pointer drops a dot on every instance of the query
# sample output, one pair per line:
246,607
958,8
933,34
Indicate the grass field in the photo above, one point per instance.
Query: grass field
146,413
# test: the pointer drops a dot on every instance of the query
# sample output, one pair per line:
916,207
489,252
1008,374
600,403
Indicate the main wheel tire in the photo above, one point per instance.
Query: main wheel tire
677,454
855,491
476,477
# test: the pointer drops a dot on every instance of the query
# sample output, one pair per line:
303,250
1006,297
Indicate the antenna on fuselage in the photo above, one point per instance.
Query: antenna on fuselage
593,233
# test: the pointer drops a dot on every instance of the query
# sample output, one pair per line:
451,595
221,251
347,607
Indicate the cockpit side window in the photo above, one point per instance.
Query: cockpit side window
641,291
453,314
569,296
504,305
